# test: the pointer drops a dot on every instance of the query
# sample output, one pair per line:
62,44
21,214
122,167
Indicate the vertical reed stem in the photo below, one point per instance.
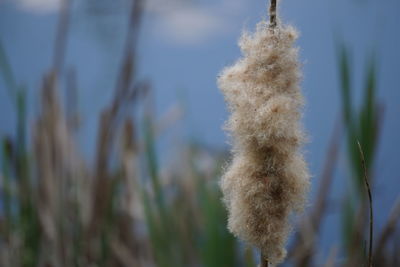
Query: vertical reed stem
61,36
371,215
272,14
272,22
264,262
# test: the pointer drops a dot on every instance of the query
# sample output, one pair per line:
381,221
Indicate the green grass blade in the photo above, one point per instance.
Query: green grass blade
368,115
345,82
7,73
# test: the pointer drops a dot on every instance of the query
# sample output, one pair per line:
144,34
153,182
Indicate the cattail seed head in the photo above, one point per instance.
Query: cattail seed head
268,178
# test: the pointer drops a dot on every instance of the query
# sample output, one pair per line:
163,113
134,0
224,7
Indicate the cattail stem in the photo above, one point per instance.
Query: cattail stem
264,262
272,14
272,24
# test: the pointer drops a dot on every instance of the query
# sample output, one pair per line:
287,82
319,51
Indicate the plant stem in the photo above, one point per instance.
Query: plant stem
272,25
264,262
60,44
388,230
371,216
272,14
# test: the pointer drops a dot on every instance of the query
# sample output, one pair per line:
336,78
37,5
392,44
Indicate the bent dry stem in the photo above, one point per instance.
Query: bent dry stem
371,215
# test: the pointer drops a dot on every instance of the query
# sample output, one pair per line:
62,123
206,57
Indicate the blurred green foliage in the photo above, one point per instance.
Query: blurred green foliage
184,217
361,125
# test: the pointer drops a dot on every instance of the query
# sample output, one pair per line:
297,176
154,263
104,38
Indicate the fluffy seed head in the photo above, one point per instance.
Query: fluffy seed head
268,177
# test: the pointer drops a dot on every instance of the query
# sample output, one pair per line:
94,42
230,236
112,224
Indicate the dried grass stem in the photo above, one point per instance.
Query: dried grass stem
371,215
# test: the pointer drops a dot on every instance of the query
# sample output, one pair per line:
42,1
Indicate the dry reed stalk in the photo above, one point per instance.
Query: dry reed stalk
388,229
268,178
60,44
371,214
61,170
125,92
58,167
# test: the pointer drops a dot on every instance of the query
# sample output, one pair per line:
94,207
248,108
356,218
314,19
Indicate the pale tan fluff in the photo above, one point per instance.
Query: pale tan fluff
267,178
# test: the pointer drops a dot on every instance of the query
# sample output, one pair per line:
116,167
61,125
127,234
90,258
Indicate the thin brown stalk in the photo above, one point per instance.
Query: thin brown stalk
61,36
123,87
371,215
127,69
71,100
264,262
124,92
388,229
272,14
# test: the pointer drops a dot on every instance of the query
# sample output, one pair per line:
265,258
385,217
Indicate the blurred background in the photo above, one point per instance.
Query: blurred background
112,142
